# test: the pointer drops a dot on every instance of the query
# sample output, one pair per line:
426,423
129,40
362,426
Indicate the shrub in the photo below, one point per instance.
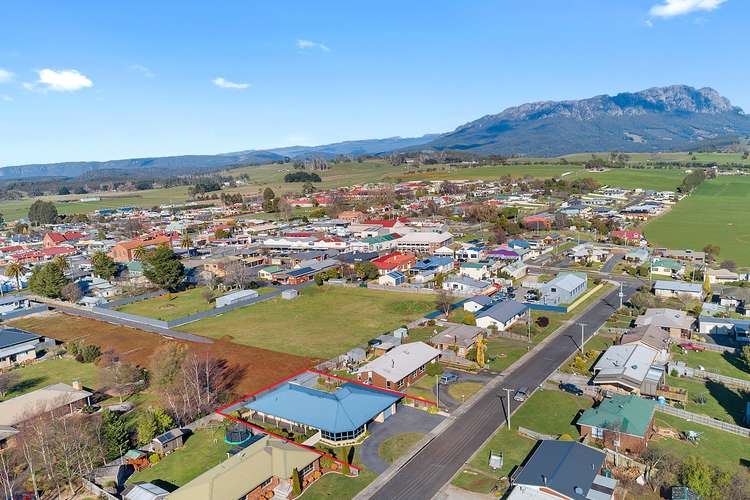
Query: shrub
542,321
431,322
674,373
154,458
566,437
434,369
432,410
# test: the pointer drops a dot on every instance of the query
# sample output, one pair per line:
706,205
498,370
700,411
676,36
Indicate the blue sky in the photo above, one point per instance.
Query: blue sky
93,80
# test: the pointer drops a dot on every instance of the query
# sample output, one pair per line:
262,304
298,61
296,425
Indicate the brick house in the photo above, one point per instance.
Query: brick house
125,250
623,423
394,262
53,238
400,367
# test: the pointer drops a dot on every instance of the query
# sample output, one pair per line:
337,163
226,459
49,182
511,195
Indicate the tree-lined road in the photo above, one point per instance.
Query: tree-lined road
435,464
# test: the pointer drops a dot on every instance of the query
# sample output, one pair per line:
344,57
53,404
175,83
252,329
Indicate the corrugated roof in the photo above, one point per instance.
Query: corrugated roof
631,413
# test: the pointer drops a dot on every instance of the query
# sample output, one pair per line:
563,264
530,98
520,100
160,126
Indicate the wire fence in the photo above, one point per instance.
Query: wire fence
704,420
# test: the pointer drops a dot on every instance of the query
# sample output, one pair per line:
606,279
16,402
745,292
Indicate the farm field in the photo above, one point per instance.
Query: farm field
716,213
547,411
321,323
170,306
631,178
542,171
51,371
720,158
69,204
247,368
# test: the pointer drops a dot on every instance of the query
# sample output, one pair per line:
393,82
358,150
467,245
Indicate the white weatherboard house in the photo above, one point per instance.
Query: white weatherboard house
17,346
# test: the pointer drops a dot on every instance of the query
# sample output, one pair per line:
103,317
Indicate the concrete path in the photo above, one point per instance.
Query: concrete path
406,419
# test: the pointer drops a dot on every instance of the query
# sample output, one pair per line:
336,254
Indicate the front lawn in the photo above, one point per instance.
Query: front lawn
461,391
202,451
547,411
322,322
172,306
338,486
395,446
727,364
51,371
505,352
423,388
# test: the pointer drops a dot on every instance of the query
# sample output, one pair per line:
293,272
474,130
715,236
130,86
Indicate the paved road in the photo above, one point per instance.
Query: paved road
611,263
435,464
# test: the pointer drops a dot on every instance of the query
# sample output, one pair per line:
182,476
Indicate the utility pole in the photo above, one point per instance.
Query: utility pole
621,295
508,412
582,327
528,323
437,389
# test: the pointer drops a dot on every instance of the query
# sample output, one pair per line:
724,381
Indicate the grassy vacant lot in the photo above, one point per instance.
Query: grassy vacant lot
395,446
728,451
202,450
716,213
322,322
632,178
721,402
51,371
170,306
505,351
727,364
550,412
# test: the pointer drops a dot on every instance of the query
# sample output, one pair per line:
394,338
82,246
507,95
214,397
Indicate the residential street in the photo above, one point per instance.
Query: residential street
435,464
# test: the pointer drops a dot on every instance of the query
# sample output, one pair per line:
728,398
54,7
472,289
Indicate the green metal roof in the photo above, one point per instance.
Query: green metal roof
668,263
632,413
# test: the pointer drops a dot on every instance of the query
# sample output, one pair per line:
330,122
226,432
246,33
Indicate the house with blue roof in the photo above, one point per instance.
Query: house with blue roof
17,346
501,315
436,263
739,328
394,278
341,416
678,289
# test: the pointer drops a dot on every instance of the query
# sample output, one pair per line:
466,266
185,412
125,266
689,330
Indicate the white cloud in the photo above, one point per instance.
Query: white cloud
672,8
6,98
226,84
65,80
5,75
143,70
309,44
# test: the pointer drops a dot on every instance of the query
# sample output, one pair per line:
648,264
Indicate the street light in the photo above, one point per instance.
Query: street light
508,411
582,325
621,295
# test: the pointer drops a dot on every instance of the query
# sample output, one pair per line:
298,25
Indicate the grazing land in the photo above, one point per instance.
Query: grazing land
70,204
547,411
202,451
716,213
170,306
684,157
659,179
322,322
51,371
249,368
541,171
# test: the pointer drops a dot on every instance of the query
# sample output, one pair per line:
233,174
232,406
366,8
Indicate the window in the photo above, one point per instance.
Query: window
307,469
597,433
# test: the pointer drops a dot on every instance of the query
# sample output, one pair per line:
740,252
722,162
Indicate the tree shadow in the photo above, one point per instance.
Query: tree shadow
25,385
170,487
736,361
733,402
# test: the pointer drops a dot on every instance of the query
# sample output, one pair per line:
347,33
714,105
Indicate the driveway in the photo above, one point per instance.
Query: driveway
445,399
406,419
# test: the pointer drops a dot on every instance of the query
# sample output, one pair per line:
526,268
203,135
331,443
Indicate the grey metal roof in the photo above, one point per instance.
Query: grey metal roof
504,311
567,467
14,336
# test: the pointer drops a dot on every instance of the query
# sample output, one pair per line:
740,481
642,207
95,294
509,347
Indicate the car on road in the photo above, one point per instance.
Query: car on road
571,388
448,378
521,394
692,347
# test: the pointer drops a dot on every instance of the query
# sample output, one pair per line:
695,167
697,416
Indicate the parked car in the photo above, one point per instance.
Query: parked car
692,347
571,388
448,378
521,394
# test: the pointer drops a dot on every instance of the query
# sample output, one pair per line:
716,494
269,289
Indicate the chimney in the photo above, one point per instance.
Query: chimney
393,363
77,385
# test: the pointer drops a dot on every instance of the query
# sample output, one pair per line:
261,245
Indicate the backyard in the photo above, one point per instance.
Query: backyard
713,399
716,213
726,450
322,322
547,411
726,363
51,371
202,451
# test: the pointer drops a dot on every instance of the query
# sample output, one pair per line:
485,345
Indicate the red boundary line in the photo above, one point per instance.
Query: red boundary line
221,410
